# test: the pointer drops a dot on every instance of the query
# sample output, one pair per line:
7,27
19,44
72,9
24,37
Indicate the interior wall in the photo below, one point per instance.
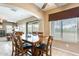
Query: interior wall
46,24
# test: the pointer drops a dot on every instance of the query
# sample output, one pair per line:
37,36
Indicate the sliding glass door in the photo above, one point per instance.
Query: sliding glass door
65,29
56,27
70,30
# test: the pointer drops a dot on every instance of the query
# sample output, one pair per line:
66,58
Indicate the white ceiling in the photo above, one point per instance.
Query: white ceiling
13,14
49,5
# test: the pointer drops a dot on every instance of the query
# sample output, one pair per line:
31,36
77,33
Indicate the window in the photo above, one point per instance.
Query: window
22,28
32,27
9,28
56,29
65,29
70,30
1,26
35,27
29,28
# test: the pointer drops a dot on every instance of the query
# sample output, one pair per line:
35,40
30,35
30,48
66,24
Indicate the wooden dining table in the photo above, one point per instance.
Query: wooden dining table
34,42
33,46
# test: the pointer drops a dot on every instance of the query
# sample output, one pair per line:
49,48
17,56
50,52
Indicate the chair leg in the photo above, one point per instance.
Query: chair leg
41,53
12,52
46,53
50,50
16,52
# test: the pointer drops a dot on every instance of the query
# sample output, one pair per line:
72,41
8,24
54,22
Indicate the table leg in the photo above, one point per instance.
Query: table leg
33,48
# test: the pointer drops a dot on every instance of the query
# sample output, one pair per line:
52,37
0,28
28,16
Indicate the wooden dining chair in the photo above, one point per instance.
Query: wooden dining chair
14,44
40,35
18,47
45,48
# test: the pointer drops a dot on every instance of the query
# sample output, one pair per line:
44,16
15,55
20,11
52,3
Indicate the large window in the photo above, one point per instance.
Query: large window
32,27
22,28
65,29
56,27
70,30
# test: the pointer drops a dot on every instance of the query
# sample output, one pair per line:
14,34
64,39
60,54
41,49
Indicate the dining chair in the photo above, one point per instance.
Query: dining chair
19,48
14,45
45,48
40,35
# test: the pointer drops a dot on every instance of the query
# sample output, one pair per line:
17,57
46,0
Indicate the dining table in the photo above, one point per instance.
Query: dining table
33,39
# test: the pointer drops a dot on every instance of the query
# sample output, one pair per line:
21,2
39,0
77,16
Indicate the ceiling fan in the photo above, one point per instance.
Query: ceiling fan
44,5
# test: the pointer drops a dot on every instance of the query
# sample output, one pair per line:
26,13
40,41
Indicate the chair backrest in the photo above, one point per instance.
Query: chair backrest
19,42
40,35
49,44
16,44
14,40
50,39
19,33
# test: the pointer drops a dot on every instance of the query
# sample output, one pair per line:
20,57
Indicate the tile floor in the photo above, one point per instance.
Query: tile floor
5,49
69,47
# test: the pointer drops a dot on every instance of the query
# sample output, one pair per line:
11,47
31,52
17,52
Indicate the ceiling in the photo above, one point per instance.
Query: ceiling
50,5
13,14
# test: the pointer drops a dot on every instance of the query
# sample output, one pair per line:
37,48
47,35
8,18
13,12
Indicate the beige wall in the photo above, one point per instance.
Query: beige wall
46,24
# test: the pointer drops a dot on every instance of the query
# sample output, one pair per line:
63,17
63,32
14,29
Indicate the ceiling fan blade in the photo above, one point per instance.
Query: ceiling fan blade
44,5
